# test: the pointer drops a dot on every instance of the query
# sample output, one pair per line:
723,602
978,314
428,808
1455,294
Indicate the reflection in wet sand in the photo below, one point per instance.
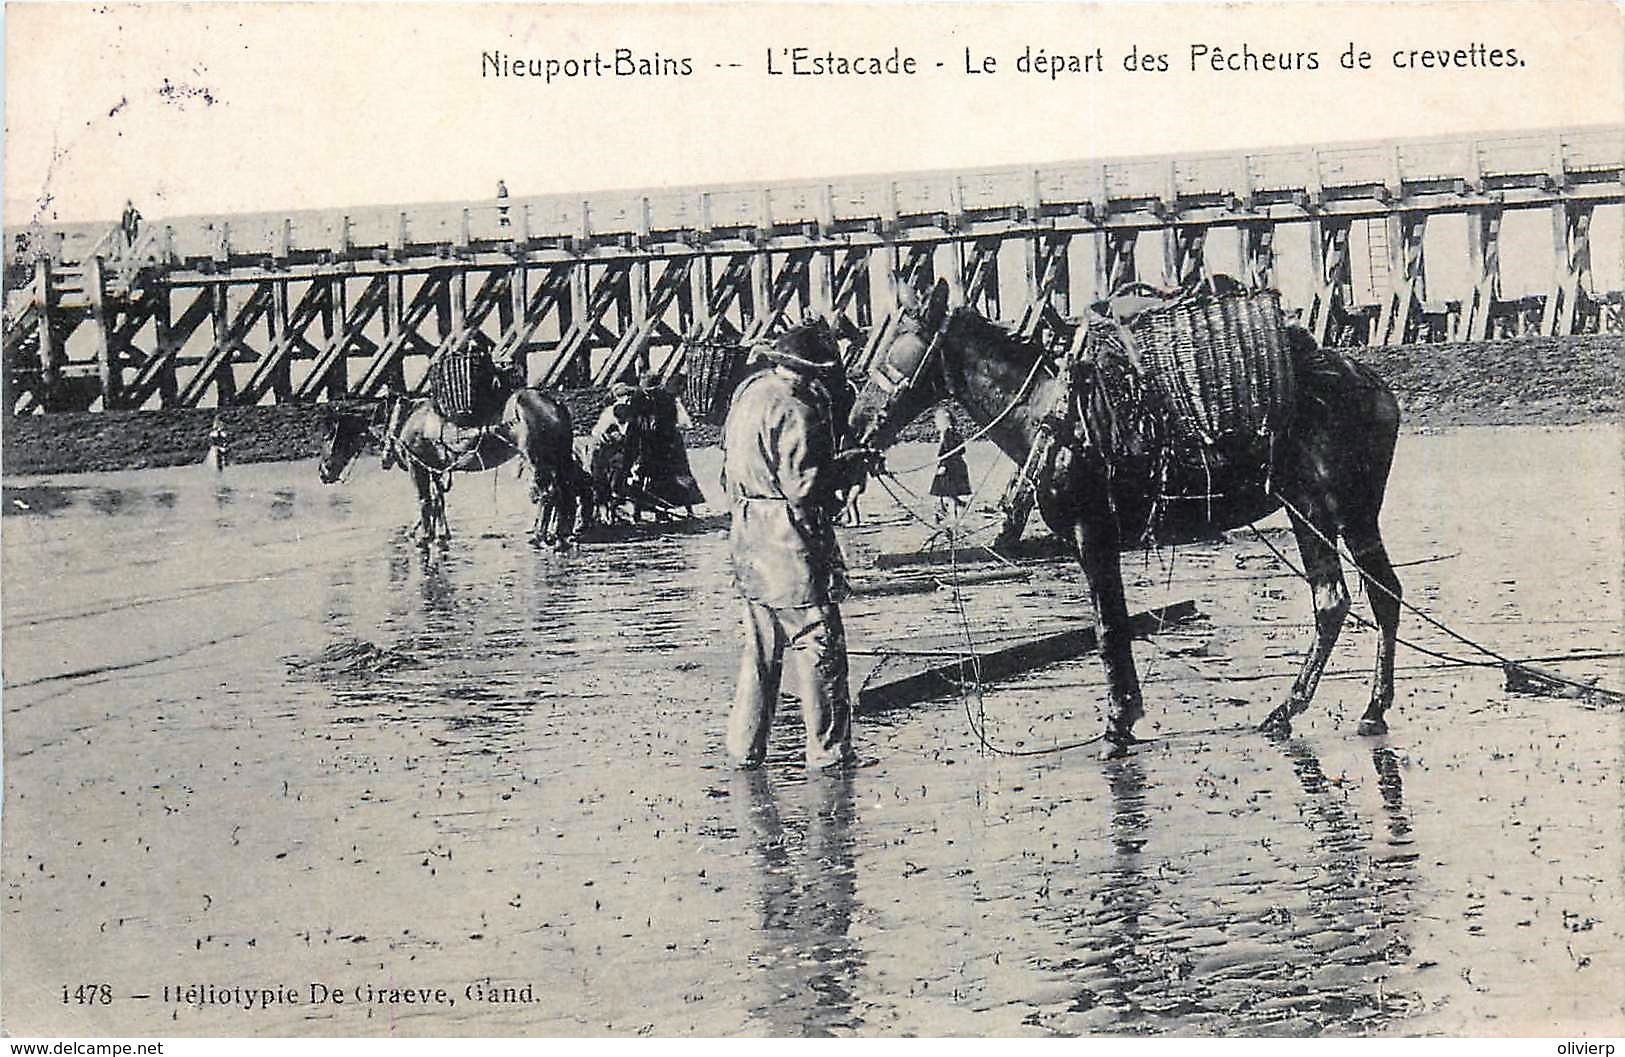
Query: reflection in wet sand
1124,892
1311,925
806,961
498,762
1358,914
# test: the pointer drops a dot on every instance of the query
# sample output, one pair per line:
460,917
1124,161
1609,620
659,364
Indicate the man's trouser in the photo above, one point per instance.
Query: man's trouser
809,645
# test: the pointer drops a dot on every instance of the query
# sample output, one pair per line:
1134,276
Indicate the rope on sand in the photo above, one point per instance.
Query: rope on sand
1498,660
977,720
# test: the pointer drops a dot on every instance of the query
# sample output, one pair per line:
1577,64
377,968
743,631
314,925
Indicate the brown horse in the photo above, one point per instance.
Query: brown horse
1329,467
417,438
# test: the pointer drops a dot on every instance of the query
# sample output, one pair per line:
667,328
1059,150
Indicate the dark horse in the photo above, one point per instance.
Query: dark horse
1330,467
417,438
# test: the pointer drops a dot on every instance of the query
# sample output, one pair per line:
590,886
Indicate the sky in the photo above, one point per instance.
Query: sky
206,108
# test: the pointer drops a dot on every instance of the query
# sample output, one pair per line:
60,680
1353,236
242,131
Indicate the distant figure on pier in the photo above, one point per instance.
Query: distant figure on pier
130,223
502,203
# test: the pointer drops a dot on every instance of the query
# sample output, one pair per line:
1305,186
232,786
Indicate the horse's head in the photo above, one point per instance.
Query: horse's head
907,375
346,431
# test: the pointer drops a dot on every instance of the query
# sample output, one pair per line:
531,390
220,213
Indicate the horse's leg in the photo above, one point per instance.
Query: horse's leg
424,481
542,527
1383,589
550,460
1096,541
1331,595
1364,501
542,497
522,440
560,461
564,508
442,526
553,522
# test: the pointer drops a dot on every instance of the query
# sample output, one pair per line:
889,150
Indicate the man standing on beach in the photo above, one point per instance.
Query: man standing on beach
779,472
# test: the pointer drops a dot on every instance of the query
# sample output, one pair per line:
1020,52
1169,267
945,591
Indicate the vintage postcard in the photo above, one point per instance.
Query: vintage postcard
827,519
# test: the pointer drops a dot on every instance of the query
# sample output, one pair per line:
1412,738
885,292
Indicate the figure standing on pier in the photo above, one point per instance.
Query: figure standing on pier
130,224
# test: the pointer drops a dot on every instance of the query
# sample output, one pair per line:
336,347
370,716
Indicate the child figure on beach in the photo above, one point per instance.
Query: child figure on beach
951,485
219,453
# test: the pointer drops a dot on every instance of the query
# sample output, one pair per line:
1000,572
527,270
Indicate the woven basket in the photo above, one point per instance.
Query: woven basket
714,370
457,382
1221,364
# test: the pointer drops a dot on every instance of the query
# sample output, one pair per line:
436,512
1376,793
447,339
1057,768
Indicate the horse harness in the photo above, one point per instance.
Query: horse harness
1109,414
1105,414
388,439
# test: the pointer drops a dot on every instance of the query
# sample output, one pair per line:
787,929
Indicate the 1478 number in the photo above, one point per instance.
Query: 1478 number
88,995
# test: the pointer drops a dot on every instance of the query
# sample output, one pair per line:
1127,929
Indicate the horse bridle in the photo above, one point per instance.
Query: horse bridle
893,382
370,430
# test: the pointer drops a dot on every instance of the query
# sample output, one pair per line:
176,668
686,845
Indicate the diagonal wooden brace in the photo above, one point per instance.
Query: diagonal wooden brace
216,365
346,336
286,343
605,296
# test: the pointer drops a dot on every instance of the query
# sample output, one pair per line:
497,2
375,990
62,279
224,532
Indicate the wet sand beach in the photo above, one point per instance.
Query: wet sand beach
255,739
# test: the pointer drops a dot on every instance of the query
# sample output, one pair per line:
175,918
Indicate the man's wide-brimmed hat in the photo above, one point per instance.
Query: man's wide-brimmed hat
809,348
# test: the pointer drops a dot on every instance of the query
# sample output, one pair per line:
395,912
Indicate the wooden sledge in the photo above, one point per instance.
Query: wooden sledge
636,531
1527,679
1038,548
924,583
925,673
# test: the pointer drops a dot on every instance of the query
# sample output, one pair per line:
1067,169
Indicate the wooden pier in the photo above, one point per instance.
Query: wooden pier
296,306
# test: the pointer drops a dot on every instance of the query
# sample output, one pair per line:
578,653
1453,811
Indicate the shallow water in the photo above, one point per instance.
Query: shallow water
253,737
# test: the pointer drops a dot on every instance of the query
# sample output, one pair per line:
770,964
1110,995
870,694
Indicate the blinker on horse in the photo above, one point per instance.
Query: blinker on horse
1328,465
418,439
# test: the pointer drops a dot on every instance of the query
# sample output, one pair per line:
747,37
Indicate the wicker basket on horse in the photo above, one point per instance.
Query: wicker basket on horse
1221,365
714,370
463,385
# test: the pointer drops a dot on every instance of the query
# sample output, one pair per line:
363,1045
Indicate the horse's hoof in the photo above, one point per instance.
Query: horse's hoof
1115,750
1277,724
1118,743
1371,726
